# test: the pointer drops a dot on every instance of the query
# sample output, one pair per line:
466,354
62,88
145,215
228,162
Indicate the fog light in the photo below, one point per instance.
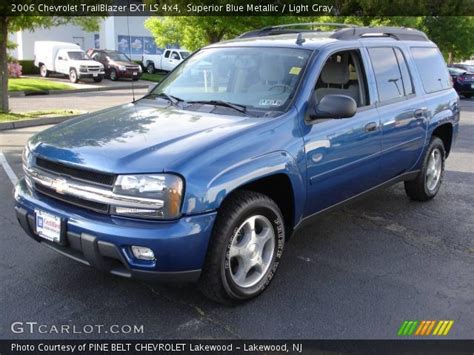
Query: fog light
143,253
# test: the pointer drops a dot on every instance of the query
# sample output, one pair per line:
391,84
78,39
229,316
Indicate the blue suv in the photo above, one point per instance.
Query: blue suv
211,173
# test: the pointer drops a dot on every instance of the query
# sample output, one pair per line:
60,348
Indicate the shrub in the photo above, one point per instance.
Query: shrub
14,70
29,67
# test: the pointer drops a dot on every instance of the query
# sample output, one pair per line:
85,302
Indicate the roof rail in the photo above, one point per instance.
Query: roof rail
398,33
292,28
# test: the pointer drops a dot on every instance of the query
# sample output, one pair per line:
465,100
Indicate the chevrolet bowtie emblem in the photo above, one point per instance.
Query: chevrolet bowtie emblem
60,185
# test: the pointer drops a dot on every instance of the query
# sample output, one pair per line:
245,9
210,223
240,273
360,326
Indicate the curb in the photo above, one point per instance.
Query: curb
73,91
4,126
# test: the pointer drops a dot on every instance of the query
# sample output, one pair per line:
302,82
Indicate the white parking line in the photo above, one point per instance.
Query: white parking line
8,169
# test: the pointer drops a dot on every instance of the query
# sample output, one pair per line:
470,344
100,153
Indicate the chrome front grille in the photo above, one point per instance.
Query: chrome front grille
71,187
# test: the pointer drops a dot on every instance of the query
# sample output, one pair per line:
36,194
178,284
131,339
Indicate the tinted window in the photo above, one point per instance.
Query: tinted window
406,78
432,68
387,73
167,54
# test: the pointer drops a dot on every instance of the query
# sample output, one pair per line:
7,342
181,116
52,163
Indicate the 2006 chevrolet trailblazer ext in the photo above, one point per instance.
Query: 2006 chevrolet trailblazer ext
207,176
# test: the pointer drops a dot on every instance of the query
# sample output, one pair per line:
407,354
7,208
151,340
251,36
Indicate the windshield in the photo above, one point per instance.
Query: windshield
77,55
262,79
118,56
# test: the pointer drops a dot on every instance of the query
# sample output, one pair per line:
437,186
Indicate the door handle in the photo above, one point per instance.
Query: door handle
371,127
420,113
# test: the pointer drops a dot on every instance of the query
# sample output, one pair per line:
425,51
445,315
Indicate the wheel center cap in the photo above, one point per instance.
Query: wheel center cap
253,250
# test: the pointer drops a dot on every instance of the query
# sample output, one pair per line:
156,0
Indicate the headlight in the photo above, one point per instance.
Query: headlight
166,188
140,68
26,156
122,68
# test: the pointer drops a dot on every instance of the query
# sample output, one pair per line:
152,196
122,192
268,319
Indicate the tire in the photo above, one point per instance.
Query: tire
73,76
150,68
467,96
43,71
98,79
234,248
428,181
113,75
135,79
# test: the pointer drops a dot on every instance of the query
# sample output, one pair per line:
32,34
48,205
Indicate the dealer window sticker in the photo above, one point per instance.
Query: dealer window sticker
270,102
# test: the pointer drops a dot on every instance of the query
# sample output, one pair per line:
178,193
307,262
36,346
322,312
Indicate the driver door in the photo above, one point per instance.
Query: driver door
342,155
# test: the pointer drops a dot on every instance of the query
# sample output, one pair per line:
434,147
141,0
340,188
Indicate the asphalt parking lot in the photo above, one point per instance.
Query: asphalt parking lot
355,274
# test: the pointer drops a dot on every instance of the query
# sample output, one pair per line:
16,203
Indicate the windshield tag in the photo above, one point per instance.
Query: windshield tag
270,102
295,70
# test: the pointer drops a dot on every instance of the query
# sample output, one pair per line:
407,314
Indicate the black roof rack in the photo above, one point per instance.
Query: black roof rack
293,28
398,33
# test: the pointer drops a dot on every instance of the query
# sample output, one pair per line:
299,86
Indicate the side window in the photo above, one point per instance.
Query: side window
167,54
387,73
406,77
175,56
343,74
432,68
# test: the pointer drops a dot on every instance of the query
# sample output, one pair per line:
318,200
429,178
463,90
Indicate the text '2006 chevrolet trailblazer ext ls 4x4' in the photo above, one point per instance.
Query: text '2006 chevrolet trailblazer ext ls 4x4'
206,177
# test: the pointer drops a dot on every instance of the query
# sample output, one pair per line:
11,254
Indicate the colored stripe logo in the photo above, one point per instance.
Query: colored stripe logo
425,327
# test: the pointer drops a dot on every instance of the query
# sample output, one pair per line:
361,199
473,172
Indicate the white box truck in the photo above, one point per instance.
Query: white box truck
166,61
68,59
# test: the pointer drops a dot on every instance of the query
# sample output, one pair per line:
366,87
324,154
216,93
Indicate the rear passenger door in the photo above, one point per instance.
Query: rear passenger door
403,113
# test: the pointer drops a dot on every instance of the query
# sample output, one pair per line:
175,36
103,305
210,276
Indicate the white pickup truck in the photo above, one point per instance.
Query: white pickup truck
68,59
166,61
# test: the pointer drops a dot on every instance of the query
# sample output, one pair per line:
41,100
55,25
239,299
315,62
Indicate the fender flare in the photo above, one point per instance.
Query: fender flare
251,170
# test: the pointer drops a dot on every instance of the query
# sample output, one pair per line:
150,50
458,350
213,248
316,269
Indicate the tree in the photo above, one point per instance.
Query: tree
10,24
193,32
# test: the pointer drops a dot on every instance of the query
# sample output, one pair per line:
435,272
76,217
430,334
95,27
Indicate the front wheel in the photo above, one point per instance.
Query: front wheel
73,78
245,249
428,181
113,75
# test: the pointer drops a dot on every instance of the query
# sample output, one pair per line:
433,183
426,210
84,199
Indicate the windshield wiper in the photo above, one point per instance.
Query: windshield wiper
236,107
172,99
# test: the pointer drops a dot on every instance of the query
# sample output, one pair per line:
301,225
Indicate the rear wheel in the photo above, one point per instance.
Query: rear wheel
150,68
245,249
43,71
98,79
428,181
73,76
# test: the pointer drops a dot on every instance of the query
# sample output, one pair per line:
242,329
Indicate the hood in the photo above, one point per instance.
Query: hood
136,138
128,64
87,62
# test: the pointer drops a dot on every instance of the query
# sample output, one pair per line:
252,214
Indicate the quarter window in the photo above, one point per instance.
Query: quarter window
432,68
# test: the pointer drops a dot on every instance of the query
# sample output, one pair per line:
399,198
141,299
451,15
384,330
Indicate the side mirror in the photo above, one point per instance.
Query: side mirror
333,106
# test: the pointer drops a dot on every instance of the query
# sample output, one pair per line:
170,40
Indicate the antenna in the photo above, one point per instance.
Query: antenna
130,49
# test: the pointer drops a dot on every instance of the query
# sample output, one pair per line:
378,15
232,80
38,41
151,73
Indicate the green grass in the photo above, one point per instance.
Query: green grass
8,117
30,84
152,77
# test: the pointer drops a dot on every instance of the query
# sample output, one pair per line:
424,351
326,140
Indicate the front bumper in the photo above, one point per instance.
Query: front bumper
130,74
91,75
104,242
